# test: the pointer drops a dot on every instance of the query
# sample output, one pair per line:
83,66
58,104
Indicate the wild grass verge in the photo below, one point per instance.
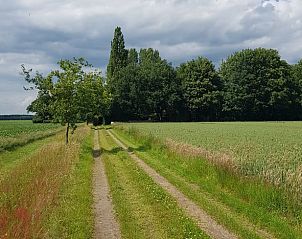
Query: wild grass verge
10,159
72,215
219,189
143,208
30,188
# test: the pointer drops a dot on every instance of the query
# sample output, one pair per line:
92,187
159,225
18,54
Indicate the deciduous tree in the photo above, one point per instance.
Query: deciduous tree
201,89
258,86
41,105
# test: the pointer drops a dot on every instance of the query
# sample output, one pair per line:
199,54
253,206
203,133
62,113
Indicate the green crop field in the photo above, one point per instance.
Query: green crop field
15,133
11,128
271,150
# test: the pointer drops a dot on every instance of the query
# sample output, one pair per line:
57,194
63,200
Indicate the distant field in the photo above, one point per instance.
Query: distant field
10,128
272,150
15,133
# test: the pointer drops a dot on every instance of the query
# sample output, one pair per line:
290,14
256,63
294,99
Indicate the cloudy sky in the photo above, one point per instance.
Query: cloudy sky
38,33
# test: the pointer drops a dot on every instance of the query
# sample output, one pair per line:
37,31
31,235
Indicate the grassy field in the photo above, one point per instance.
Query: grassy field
247,206
244,175
270,150
14,133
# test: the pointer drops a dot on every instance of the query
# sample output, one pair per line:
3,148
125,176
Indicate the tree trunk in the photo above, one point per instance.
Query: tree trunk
160,116
67,133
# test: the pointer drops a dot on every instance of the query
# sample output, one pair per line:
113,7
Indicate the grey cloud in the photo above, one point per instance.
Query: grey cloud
39,33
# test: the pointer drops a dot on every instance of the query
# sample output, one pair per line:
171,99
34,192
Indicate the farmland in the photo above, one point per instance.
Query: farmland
20,132
165,180
13,128
229,187
270,150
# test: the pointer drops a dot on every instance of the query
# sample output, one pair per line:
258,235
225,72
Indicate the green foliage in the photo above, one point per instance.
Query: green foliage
160,88
250,85
127,101
65,92
41,105
201,88
93,99
145,88
258,86
297,77
132,57
118,55
71,93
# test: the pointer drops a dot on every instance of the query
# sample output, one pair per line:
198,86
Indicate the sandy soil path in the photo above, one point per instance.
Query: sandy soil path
106,226
205,222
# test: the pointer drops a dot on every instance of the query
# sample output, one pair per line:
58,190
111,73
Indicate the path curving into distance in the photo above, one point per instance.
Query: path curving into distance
106,226
204,221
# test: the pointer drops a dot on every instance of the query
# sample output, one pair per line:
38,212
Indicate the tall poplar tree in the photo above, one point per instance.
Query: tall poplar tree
118,55
117,61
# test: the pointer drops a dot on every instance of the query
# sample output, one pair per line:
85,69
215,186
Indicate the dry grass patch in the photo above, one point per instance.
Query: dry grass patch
218,158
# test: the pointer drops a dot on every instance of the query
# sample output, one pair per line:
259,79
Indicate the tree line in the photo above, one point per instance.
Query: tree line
16,117
251,84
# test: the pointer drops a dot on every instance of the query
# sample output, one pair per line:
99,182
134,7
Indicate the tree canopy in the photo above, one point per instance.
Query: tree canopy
258,86
201,88
72,93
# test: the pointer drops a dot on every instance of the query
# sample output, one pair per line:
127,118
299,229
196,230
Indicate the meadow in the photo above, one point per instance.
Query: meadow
269,150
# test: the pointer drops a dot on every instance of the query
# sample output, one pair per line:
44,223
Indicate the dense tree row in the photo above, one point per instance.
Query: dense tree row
249,85
16,117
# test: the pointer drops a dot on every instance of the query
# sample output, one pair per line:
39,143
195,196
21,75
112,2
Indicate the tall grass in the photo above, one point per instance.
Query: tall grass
27,192
72,214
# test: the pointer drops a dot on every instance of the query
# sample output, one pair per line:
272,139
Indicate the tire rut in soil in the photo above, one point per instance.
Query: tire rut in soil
106,226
